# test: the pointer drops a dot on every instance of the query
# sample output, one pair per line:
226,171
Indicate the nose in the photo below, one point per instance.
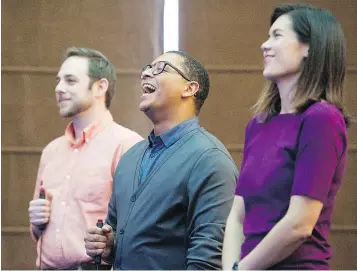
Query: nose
265,46
59,87
146,73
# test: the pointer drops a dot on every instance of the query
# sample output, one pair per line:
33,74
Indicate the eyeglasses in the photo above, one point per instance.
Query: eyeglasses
159,67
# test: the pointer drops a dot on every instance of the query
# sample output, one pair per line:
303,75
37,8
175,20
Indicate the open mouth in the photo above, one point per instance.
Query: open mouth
148,88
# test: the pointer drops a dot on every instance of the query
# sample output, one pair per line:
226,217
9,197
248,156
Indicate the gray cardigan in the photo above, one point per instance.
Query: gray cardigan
176,218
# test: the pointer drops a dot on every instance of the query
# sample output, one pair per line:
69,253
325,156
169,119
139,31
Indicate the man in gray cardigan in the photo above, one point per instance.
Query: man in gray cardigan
173,192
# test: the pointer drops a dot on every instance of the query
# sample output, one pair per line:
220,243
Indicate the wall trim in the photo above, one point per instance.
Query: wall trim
253,68
21,150
344,228
239,147
15,230
235,69
19,230
54,70
235,147
38,150
130,71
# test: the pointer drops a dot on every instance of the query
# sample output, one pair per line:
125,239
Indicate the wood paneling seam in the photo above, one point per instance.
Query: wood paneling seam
53,70
11,230
253,69
210,68
38,150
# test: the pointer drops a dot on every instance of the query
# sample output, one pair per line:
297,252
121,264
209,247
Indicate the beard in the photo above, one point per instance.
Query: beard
75,109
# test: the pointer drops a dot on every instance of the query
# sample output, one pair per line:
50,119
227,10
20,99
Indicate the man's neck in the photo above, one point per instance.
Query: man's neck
86,118
161,126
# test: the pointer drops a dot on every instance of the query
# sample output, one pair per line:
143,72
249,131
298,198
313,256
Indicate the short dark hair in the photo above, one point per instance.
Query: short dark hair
322,72
98,67
196,72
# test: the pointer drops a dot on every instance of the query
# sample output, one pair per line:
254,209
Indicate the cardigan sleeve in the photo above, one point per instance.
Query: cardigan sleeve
112,218
210,192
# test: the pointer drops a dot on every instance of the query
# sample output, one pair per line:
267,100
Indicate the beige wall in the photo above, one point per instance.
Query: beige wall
35,35
226,36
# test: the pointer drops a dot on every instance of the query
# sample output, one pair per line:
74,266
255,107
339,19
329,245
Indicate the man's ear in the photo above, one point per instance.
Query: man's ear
191,89
101,87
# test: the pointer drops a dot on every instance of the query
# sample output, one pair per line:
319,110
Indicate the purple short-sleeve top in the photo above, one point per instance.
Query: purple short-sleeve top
293,154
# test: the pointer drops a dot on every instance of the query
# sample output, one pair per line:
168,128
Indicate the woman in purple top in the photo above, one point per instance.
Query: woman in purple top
295,148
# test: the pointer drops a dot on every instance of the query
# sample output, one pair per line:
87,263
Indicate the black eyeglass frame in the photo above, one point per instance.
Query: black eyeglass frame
166,63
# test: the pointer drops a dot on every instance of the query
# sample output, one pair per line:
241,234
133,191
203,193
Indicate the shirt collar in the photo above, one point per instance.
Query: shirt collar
171,136
90,131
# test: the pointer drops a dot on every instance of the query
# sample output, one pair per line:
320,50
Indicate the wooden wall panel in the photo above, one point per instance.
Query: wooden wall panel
19,172
35,32
226,36
351,103
237,156
345,212
18,251
344,245
35,35
240,27
225,112
30,109
126,101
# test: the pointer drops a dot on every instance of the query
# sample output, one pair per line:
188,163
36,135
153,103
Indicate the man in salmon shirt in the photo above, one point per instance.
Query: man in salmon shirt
76,170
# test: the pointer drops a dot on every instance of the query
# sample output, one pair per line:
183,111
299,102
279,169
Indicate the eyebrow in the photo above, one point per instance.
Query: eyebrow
66,76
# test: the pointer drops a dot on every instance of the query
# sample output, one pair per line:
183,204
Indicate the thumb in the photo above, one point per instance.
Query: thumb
107,229
47,193
49,196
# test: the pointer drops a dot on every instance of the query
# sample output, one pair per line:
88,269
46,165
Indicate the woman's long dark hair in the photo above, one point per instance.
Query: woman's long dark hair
322,72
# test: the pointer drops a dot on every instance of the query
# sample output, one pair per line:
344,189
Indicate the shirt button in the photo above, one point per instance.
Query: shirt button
121,231
133,198
152,155
63,203
75,150
68,176
57,230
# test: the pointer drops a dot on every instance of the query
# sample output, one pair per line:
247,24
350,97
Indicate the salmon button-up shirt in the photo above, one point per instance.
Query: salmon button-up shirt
79,174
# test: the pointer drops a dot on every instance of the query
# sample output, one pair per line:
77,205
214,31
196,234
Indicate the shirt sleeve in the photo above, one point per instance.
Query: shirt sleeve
123,147
210,192
37,188
321,143
117,155
112,210
46,155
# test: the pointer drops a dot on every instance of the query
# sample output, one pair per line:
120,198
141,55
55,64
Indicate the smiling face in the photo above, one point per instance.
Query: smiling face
72,90
283,52
163,92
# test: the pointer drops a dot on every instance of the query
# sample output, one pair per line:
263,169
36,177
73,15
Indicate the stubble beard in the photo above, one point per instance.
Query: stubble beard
76,109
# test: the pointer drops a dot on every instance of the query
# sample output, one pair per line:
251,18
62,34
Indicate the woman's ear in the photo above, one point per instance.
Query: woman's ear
306,51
